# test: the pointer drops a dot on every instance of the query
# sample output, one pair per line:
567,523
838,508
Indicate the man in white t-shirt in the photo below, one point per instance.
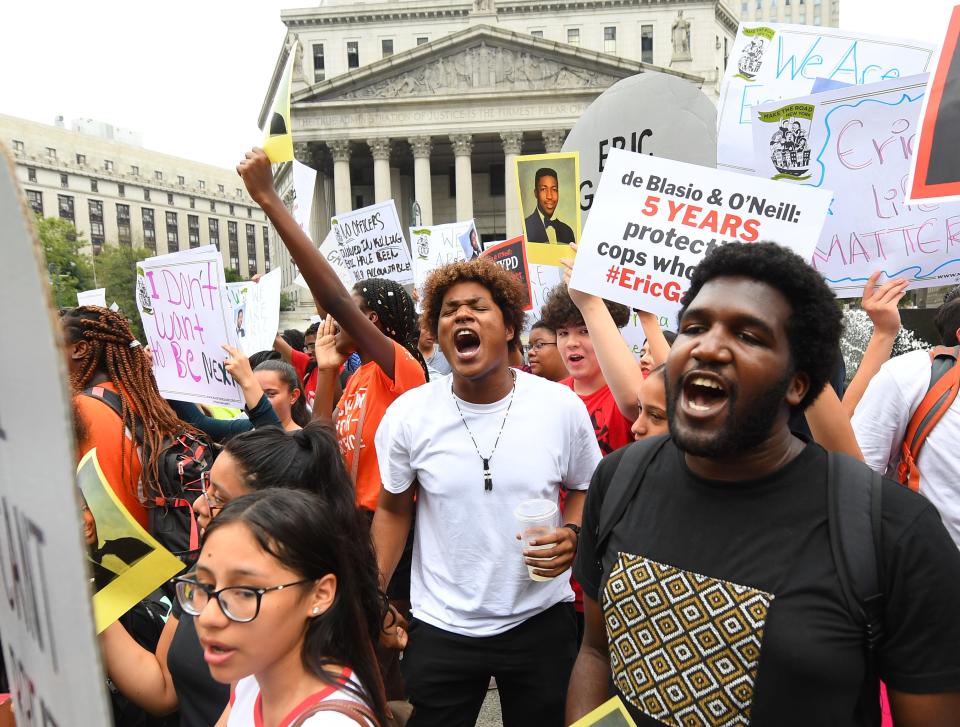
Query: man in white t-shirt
469,448
887,406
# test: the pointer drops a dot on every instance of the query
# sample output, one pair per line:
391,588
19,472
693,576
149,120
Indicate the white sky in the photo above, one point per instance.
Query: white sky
191,76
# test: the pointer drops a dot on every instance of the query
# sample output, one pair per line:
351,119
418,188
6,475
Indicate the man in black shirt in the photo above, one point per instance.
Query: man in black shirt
716,599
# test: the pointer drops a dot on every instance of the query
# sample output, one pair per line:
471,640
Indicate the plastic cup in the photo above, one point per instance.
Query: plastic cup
536,519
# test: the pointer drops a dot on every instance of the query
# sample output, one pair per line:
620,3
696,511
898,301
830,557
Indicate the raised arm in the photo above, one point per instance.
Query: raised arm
329,361
325,286
830,426
283,348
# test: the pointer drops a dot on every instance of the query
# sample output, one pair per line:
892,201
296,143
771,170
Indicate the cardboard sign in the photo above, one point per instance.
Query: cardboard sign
633,116
935,171
511,256
255,311
49,651
187,318
372,245
97,296
770,62
126,563
304,182
612,713
655,219
857,142
436,246
547,187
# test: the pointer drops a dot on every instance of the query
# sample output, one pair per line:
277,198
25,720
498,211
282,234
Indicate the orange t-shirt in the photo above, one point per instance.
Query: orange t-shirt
104,431
368,394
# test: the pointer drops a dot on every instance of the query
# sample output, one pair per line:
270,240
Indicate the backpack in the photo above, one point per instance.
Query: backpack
180,467
944,385
854,501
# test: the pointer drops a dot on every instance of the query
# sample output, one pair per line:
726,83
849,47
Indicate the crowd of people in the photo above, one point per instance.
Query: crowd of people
704,565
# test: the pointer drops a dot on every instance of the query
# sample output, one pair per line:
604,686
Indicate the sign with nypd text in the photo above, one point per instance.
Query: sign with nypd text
655,219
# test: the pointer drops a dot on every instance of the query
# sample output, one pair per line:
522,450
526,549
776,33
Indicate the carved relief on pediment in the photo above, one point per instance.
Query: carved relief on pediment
484,68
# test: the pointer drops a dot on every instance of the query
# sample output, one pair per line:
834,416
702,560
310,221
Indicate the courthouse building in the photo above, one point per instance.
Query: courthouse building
118,193
429,102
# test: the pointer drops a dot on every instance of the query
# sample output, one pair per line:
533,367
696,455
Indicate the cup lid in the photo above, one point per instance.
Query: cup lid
536,509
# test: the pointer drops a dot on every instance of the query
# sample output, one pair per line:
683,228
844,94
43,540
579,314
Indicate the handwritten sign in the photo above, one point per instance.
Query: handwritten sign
255,310
372,244
97,296
184,309
511,255
436,246
51,658
859,142
770,62
655,219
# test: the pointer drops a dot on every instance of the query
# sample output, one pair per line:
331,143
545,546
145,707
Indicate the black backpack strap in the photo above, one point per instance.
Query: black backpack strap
112,399
942,359
855,501
623,486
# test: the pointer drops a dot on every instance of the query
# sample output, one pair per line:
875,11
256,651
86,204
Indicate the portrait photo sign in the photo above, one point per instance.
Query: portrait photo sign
548,187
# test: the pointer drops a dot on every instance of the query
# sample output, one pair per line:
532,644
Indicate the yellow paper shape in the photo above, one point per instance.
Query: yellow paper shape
567,212
612,713
278,129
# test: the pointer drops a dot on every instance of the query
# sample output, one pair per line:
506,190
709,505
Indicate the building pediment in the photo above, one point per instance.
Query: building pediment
480,59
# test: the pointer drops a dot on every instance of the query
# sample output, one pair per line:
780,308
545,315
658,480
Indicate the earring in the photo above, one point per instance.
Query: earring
316,610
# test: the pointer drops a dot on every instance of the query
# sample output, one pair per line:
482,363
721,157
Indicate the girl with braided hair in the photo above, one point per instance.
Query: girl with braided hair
102,352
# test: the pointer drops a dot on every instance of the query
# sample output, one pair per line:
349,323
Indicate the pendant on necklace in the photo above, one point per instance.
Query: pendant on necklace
487,477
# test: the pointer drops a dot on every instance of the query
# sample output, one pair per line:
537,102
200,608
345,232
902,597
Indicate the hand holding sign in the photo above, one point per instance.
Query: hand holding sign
880,303
257,176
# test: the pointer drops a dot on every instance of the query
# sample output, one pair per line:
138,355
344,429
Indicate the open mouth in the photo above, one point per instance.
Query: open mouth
466,342
215,654
575,358
704,394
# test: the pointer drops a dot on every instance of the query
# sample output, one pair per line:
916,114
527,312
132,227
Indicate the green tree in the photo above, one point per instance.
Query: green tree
232,276
69,271
116,271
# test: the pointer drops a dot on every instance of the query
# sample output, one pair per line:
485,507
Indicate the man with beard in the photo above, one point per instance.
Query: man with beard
716,598
470,447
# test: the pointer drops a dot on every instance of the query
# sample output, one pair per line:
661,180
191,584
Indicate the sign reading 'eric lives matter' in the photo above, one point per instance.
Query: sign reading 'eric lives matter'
186,319
655,219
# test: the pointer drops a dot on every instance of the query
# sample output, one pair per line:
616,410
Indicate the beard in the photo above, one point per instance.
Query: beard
739,434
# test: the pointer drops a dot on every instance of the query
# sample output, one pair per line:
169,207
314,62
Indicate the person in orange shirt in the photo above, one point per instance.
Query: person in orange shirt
102,352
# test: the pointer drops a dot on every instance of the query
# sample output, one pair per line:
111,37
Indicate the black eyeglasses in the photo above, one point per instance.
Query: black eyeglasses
540,344
309,347
238,603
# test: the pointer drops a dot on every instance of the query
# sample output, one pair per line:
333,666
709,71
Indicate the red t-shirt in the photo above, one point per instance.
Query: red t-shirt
611,427
300,360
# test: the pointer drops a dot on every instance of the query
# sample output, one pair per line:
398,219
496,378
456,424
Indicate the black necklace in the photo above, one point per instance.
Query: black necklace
487,477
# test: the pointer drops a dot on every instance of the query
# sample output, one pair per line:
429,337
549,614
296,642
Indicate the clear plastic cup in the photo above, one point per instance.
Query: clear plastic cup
536,519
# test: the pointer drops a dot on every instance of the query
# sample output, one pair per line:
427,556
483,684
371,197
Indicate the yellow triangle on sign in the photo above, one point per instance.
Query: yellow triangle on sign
278,130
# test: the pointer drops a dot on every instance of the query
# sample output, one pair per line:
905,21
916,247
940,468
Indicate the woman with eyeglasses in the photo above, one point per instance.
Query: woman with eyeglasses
176,675
287,607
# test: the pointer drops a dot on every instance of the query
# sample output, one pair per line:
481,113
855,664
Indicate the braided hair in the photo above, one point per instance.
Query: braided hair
398,317
116,353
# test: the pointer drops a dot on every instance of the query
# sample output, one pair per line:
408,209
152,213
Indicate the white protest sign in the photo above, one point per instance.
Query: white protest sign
543,279
436,246
255,311
656,219
304,181
650,113
186,318
334,256
97,296
46,616
858,142
771,61
372,243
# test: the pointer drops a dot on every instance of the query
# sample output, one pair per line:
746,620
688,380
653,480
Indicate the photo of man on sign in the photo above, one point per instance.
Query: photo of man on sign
548,192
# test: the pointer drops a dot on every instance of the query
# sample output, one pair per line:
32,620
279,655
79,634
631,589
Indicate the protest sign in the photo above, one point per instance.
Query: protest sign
935,171
49,650
547,187
857,142
655,219
255,311
97,296
543,279
187,318
511,256
770,62
304,181
612,713
650,113
277,130
635,336
126,562
372,245
438,245
334,256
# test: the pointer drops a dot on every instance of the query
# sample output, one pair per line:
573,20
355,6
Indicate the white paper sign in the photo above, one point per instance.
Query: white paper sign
185,312
304,181
372,243
46,617
771,61
858,142
543,279
97,296
436,246
255,310
655,219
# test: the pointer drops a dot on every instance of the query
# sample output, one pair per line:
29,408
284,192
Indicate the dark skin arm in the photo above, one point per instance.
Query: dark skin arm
564,540
591,672
325,286
391,524
925,710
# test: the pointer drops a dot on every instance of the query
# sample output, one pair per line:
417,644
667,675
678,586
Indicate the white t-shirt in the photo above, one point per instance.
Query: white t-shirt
468,574
245,706
880,423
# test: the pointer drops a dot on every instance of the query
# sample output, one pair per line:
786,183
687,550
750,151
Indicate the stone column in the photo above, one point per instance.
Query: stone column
422,183
342,192
462,149
512,143
553,139
381,168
